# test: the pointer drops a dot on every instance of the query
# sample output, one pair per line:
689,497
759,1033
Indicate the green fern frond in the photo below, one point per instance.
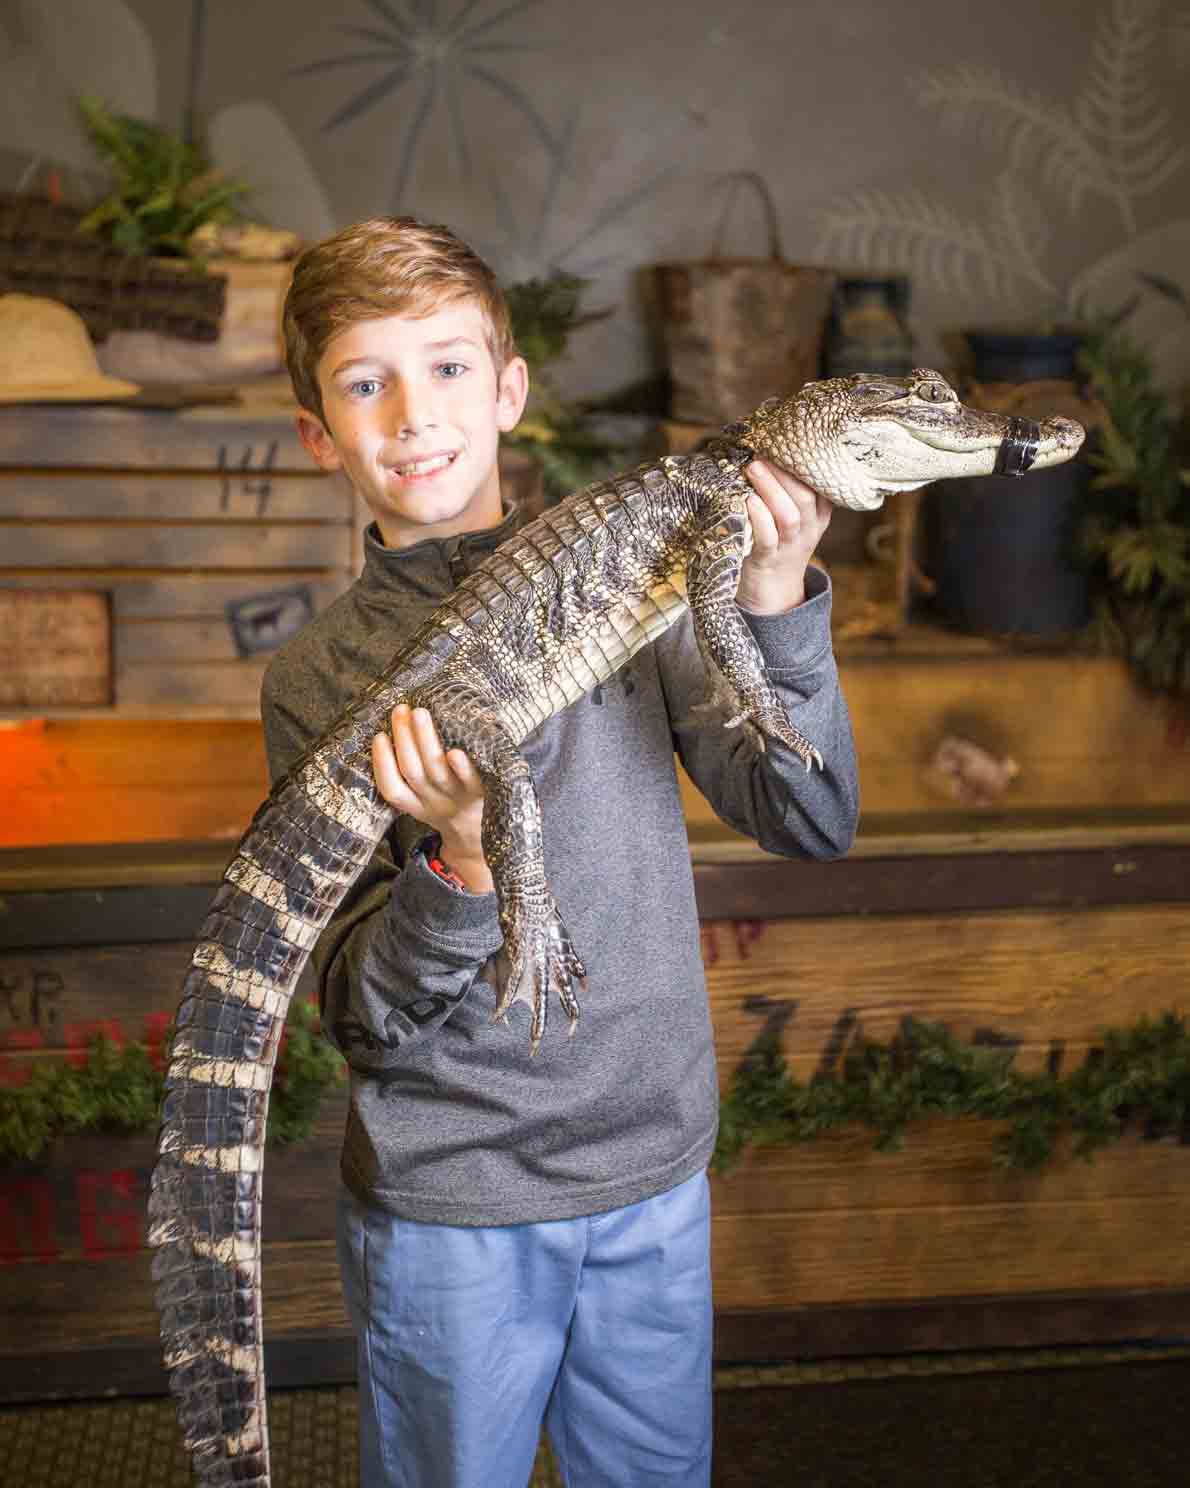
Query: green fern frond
162,187
911,232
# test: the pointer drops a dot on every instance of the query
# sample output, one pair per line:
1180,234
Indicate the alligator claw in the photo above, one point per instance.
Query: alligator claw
761,720
537,956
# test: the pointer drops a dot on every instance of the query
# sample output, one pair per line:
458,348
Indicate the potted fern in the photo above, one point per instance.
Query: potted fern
1135,532
559,437
169,205
163,189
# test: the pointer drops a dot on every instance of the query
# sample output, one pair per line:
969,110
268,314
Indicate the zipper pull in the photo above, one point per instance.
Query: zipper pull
454,560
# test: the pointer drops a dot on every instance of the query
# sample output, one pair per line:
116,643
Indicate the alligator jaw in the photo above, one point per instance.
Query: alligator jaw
993,444
858,439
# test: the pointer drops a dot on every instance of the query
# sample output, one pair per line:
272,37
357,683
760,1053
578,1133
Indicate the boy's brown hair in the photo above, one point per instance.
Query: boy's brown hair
383,266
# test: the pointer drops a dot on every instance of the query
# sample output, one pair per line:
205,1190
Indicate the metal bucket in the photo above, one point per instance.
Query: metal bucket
1000,552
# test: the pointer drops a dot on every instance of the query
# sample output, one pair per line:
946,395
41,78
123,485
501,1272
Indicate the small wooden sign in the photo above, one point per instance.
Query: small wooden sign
55,648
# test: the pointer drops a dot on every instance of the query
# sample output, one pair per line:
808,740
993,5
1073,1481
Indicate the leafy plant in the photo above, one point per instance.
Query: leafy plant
559,435
163,188
1135,533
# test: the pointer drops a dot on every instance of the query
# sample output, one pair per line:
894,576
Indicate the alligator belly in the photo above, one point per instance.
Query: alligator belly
593,650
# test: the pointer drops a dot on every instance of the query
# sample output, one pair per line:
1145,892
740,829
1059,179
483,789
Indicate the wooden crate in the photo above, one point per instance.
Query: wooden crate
1039,936
209,531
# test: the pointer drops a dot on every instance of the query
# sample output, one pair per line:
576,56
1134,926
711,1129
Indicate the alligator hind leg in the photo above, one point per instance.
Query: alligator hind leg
537,956
735,669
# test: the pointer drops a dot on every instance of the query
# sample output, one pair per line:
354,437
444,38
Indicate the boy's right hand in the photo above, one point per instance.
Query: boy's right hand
440,787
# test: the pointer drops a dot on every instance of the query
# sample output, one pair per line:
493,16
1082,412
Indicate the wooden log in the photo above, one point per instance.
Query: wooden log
197,545
977,973
226,438
945,1163
1031,976
144,496
1084,736
199,690
53,999
155,595
112,779
773,1258
300,1281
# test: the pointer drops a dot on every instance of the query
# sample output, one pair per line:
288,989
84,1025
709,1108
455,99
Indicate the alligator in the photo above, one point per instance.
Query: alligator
556,610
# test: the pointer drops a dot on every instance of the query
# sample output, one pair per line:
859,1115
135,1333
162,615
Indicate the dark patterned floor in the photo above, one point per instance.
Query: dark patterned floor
1082,1418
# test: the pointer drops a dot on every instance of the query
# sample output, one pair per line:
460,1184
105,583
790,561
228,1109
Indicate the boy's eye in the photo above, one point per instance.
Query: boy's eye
452,369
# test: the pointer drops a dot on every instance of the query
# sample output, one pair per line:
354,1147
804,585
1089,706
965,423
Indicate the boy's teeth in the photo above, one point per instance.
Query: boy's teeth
423,467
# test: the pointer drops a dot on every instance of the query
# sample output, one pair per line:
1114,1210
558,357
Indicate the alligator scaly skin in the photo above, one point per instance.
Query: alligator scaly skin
572,596
557,609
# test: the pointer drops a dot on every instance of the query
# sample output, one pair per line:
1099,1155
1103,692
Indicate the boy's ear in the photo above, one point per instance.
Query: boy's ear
511,392
315,436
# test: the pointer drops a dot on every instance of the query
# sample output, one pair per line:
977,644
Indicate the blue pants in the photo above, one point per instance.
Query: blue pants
469,1337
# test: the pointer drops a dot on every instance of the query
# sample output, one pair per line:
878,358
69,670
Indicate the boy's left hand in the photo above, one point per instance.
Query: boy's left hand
788,520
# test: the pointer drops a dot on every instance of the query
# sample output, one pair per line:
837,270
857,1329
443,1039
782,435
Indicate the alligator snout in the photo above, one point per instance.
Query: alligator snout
1028,444
859,439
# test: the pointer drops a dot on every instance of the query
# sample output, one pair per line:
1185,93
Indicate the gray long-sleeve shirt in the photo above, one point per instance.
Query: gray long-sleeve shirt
451,1120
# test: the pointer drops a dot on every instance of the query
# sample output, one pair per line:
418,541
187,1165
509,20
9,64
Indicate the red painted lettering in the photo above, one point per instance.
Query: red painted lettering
27,1221
109,1213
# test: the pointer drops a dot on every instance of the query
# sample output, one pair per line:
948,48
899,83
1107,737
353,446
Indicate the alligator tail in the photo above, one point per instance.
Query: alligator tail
303,849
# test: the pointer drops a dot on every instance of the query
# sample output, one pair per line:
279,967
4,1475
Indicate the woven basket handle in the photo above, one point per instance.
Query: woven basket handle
734,180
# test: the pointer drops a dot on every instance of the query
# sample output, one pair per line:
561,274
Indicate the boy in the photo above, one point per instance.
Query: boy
524,1237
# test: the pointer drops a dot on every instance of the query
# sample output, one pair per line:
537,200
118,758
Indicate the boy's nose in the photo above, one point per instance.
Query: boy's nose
413,411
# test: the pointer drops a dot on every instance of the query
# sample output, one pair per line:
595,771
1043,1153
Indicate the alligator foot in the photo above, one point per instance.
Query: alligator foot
537,956
762,718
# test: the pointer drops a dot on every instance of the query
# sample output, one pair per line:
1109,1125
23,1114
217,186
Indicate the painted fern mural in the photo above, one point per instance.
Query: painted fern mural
1106,149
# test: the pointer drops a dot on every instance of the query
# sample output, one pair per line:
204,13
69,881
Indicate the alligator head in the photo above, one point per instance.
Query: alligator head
858,439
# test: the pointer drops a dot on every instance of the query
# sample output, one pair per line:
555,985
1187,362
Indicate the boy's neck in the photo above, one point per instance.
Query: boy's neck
403,537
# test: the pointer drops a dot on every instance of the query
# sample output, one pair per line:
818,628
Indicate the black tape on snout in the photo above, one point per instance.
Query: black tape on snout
1018,448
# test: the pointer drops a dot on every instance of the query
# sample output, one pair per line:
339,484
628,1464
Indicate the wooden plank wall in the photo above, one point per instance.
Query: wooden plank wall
171,518
177,517
1085,740
830,1247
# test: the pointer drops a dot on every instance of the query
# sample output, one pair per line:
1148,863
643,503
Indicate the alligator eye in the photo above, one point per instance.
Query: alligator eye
935,392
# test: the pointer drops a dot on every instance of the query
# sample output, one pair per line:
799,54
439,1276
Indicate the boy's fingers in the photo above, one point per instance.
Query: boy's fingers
468,776
764,529
406,749
782,492
389,781
429,748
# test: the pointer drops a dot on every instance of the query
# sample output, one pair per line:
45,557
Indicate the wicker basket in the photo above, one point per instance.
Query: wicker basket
42,252
739,330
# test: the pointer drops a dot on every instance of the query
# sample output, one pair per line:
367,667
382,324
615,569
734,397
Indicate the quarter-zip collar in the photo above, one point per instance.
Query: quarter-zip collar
429,569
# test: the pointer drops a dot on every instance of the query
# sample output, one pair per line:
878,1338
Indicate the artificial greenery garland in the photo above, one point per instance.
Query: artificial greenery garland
120,1089
925,1071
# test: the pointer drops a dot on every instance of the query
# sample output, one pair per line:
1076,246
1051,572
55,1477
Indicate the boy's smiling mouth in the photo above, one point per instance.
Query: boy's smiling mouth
425,465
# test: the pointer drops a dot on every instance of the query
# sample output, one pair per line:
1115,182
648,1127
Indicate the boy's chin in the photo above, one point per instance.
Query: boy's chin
407,516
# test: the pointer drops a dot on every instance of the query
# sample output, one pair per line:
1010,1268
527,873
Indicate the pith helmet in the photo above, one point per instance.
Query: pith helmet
46,355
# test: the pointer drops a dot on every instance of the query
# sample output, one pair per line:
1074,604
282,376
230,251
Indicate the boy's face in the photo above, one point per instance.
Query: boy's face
413,412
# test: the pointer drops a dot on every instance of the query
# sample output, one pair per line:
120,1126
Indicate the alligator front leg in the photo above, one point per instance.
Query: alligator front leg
537,954
739,683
